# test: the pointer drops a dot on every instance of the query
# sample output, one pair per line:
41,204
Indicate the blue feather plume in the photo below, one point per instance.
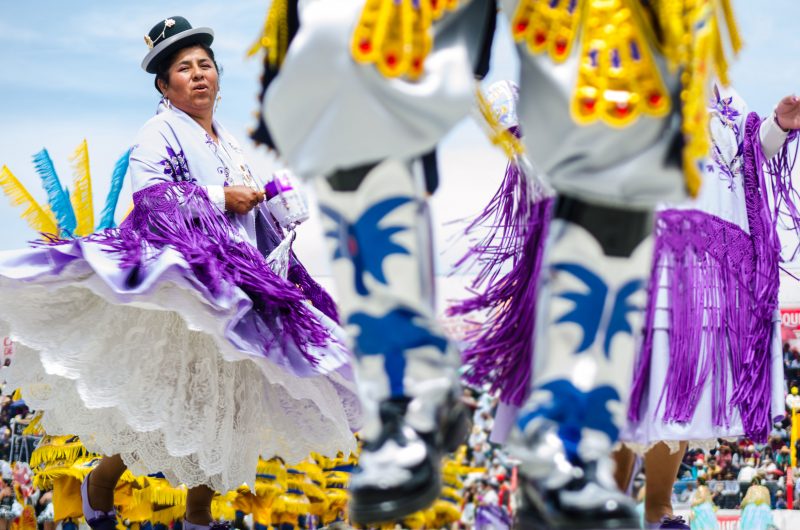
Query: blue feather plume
117,178
57,196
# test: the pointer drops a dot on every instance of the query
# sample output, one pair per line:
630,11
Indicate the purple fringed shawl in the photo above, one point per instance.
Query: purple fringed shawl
313,291
500,349
180,216
726,280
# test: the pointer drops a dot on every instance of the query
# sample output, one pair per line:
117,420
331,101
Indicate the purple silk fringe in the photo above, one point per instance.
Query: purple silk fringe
720,276
180,216
499,350
705,260
313,291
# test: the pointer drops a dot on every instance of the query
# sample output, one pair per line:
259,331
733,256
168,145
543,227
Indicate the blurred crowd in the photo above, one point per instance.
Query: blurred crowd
729,469
488,495
22,506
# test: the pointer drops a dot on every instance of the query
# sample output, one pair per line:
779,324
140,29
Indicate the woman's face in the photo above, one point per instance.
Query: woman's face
193,82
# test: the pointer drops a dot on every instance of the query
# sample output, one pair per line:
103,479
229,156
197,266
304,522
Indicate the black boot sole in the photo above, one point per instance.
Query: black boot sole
394,509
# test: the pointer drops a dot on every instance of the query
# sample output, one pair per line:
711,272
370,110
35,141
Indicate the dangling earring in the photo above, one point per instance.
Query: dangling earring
165,101
216,103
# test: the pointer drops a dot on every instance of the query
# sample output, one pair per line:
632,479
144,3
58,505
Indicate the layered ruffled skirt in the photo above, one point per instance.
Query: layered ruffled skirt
169,341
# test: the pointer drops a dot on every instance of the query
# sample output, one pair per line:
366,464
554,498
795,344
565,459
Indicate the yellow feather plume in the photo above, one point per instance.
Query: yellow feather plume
82,191
34,428
38,217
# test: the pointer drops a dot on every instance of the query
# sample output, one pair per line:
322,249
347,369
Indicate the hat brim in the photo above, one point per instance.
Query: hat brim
176,42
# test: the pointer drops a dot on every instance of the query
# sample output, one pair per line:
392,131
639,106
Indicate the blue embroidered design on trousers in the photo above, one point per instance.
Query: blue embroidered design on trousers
365,242
573,411
590,306
391,336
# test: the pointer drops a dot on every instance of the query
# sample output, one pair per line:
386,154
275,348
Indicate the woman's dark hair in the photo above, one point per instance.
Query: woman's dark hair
162,70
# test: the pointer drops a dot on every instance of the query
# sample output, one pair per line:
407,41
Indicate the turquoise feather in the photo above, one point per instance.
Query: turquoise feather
117,179
57,196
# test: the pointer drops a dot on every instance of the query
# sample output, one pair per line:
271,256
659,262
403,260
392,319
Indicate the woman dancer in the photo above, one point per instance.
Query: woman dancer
711,363
169,344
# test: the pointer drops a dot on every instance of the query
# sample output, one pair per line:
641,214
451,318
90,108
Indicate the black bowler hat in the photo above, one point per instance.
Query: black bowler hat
169,35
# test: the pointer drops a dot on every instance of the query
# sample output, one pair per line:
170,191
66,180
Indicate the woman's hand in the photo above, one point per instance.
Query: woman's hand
788,113
242,199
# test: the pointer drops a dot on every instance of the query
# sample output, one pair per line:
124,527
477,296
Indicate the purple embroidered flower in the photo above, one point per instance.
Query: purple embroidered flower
725,170
176,166
723,107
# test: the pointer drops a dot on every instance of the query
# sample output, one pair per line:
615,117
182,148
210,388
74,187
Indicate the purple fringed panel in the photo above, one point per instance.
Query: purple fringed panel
316,294
752,391
705,261
727,280
500,349
180,216
641,370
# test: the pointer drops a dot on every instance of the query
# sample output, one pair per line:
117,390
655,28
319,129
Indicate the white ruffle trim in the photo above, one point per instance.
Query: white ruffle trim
142,383
675,445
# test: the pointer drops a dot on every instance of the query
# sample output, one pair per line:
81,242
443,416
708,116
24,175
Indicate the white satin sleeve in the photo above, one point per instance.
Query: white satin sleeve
772,137
216,195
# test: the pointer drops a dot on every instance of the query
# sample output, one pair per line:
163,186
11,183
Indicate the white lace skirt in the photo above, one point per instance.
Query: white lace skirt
151,376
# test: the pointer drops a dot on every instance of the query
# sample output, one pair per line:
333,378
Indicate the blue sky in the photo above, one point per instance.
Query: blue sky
70,70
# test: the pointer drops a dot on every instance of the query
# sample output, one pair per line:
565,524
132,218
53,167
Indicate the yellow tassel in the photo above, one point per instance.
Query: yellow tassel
290,503
275,35
39,218
337,479
693,40
415,521
498,134
159,492
166,516
81,198
311,470
696,80
270,467
34,428
734,35
222,509
446,513
61,451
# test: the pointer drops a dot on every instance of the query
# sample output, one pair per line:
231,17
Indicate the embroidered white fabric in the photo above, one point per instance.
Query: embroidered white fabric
148,385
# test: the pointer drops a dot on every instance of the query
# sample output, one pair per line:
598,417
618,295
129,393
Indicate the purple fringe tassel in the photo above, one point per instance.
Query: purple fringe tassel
313,291
180,216
500,349
753,393
719,275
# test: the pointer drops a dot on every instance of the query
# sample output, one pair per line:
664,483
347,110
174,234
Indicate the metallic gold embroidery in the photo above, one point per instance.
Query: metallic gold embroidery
396,35
547,26
618,79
